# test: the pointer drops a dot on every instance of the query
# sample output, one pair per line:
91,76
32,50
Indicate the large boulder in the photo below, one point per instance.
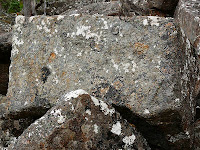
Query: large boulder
146,74
80,121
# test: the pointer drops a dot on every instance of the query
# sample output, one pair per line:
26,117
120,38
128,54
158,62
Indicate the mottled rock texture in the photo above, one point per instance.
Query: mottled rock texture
151,7
106,8
188,18
58,7
138,65
80,121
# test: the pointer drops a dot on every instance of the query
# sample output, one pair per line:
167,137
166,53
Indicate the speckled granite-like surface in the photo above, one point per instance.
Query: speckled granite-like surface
138,64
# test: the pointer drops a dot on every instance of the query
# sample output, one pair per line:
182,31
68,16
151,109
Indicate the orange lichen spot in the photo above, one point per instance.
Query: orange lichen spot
132,125
140,47
52,57
42,145
63,74
128,106
169,24
32,98
118,85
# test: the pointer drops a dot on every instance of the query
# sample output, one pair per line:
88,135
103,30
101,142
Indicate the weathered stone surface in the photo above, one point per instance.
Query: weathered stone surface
106,8
187,16
146,72
80,121
151,7
58,7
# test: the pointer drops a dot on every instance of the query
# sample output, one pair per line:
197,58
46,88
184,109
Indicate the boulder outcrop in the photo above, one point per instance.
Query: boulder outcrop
80,121
143,69
146,73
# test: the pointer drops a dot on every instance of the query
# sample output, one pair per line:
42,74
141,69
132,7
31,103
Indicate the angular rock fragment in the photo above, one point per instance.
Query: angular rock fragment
139,65
188,18
80,121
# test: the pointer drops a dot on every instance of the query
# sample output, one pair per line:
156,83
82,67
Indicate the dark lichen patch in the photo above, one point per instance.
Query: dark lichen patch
45,73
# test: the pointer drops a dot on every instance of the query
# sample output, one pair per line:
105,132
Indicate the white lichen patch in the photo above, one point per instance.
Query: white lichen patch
115,65
74,94
60,17
85,32
74,15
177,100
145,22
116,128
134,65
154,20
57,113
103,106
105,24
17,41
96,128
129,140
95,101
146,111
126,66
20,19
88,112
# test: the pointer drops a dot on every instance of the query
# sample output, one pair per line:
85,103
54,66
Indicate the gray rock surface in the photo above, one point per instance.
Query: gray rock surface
188,18
106,8
73,124
58,7
146,72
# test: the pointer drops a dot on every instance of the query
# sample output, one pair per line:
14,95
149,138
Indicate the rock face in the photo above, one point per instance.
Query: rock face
145,74
187,16
197,135
106,8
151,7
58,7
73,124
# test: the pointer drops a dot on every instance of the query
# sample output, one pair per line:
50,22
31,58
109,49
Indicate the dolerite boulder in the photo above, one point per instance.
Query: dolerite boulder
138,65
188,18
80,121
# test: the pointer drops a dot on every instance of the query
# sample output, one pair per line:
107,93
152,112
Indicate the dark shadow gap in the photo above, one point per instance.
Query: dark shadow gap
5,54
154,134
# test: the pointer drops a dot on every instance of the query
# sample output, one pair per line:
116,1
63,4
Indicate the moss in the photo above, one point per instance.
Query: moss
12,6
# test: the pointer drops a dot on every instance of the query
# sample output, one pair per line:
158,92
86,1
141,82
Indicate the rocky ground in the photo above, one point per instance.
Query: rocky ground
102,75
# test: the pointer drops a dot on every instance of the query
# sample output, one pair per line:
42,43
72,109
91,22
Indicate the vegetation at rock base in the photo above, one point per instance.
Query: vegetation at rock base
12,6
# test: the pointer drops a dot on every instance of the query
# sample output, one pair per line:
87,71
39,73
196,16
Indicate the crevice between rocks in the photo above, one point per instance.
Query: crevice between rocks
154,134
5,53
15,123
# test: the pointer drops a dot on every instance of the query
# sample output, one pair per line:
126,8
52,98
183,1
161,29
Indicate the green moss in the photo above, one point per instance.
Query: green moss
12,6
